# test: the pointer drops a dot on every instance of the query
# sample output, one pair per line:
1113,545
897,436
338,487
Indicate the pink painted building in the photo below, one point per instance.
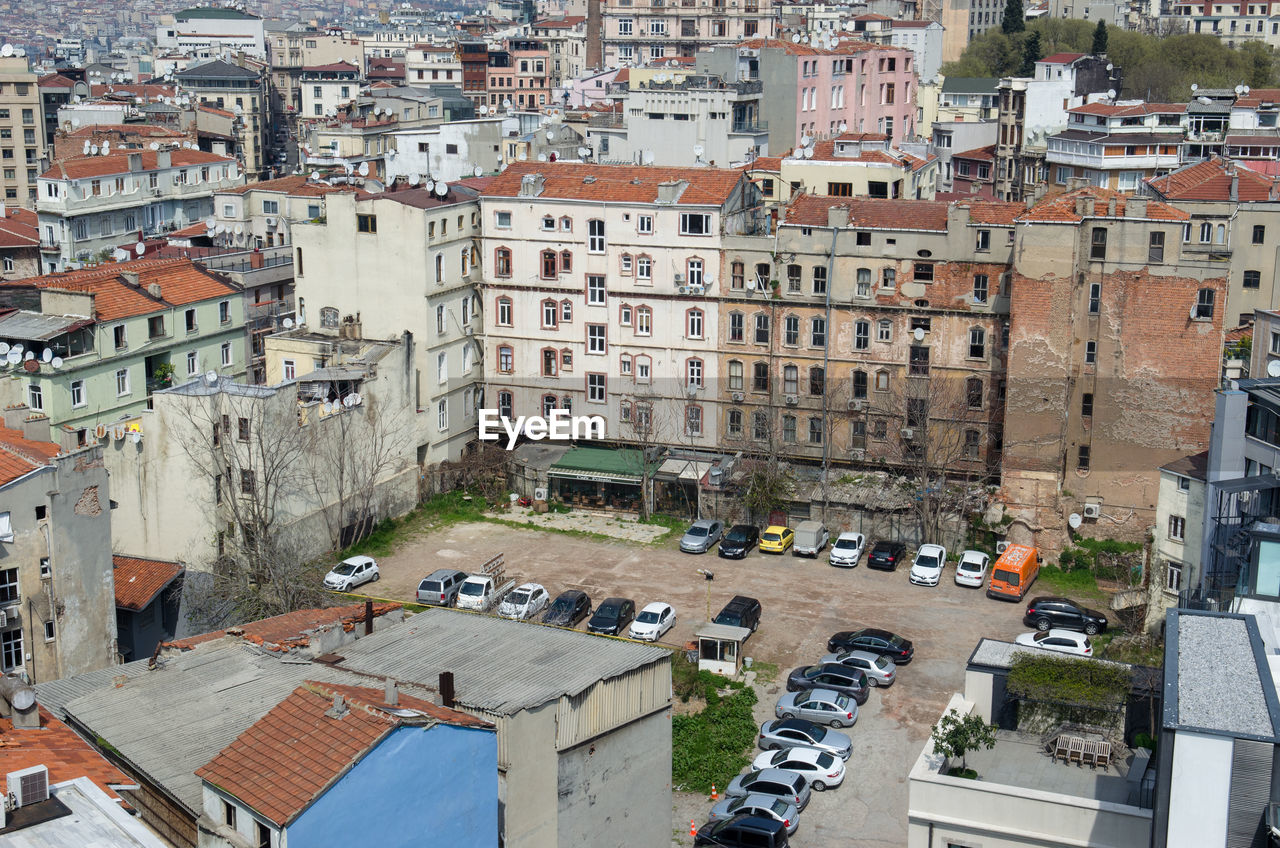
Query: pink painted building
854,86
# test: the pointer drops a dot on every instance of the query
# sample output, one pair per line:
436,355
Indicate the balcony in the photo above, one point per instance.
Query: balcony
750,127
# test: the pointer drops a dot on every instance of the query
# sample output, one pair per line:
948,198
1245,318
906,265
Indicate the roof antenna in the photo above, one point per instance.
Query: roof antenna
339,709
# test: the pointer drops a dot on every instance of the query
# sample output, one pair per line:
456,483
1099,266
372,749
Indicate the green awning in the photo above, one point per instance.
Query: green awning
600,465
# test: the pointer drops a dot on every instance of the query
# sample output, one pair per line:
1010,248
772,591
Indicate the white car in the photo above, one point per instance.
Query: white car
926,569
524,602
848,549
972,568
821,768
1057,639
352,572
652,622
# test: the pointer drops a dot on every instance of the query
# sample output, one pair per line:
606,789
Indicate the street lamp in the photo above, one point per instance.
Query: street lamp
708,576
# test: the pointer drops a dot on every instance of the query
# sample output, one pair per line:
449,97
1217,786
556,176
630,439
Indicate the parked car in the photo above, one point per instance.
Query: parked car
787,785
836,677
926,568
741,611
880,642
848,549
810,538
1066,641
739,541
570,607
1065,614
820,768
886,555
440,587
972,568
776,539
821,706
756,804
612,616
701,536
524,602
476,592
880,671
744,831
788,732
352,572
652,622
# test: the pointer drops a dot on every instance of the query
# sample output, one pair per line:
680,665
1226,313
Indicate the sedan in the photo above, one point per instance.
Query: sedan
926,568
886,555
776,539
524,602
880,671
1066,641
739,541
836,677
612,616
880,642
848,549
757,804
787,785
819,767
568,609
972,569
1065,614
701,537
789,732
652,622
821,706
352,572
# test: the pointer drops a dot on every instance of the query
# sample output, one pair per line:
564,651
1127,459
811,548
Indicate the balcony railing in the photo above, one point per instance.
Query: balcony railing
752,127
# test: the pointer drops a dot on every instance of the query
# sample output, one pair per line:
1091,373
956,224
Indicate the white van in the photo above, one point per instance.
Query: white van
811,538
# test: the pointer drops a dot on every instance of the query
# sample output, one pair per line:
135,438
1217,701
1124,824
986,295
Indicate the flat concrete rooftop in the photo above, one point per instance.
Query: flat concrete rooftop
1018,759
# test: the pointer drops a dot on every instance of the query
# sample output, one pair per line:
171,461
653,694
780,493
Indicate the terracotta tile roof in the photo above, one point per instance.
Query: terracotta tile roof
993,212
912,24
140,130
1062,208
332,67
807,210
1062,58
978,154
55,80
873,17
214,110
296,185
1256,97
118,163
1127,109
18,229
58,748
846,47
290,630
825,151
20,456
181,282
138,580
617,183
196,229
370,697
1211,180
764,163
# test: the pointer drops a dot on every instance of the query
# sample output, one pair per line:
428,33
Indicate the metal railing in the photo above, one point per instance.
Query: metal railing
750,127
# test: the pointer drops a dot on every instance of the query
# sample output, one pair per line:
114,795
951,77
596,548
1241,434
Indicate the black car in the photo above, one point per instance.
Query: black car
1044,613
886,555
612,616
744,831
568,609
739,541
740,612
880,642
834,676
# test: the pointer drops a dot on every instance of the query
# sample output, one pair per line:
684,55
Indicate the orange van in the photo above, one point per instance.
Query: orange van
1014,572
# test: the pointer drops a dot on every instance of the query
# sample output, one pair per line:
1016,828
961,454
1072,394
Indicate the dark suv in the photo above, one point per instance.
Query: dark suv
612,616
739,541
744,831
1044,613
886,555
740,612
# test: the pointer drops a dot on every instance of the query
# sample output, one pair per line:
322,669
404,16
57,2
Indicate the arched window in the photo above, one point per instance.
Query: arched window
861,335
693,373
502,262
693,322
550,362
1220,236
504,312
506,359
566,224
735,375
859,385
329,318
566,261
627,263
790,380
760,377
882,381
644,321
644,268
973,393
759,426
643,363
566,310
734,428
548,405
693,420
548,223
694,267
439,268
737,275
548,265
817,381
550,314
1206,232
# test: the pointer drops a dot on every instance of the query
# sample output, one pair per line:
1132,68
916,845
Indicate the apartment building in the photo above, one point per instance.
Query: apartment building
241,90
291,51
405,261
327,88
601,285
1234,23
1115,350
518,74
432,63
924,39
91,205
849,165
104,339
22,132
451,151
203,32
19,243
969,99
1116,145
566,41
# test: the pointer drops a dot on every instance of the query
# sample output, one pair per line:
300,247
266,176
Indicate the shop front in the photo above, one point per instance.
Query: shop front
598,478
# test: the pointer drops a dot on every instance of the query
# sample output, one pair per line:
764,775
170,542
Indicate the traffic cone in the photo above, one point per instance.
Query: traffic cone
714,795
693,828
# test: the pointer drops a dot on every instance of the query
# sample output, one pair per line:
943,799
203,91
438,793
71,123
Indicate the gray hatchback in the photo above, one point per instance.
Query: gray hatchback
787,785
701,536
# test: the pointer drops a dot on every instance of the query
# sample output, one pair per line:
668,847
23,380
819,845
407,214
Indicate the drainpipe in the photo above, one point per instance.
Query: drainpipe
826,364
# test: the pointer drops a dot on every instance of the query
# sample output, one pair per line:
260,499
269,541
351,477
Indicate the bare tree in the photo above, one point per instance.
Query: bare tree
649,428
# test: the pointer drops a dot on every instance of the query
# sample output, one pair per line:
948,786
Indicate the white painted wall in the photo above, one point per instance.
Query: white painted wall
1198,790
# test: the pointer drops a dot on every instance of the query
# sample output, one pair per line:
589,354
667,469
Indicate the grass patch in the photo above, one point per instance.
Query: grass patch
1135,650
712,746
440,511
1078,584
967,773
766,672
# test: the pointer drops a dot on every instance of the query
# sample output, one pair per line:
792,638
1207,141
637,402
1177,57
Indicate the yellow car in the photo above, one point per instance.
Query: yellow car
776,540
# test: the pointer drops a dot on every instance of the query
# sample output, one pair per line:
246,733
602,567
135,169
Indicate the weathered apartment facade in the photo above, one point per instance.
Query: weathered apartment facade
645,32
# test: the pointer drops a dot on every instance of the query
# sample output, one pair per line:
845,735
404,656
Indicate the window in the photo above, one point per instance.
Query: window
626,263
859,385
1155,248
77,393
566,261
884,330
1252,279
624,315
11,641
694,269
155,326
366,223
502,262
923,272
595,388
440,318
550,362
549,264
918,363
737,275
504,312
817,381
122,382
762,328
1204,305
595,290
1206,232
977,343
1086,405
815,431
695,224
506,359
1098,244
864,282
1095,298
818,332
550,314
819,279
548,223
759,426
595,236
35,397
791,330
595,338
644,321
642,363
226,353
972,444
980,289
735,327
861,335
735,376
793,278
246,482
1259,233
790,380
502,220
917,412
984,240
193,363
760,377
789,429
644,269
734,427
46,567
1082,458
1090,352
189,320
1173,576
693,420
693,324
442,415
1177,527
644,225
505,404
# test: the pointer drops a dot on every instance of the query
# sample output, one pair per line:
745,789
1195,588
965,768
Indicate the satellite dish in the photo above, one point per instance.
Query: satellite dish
328,408
1239,90
808,153
210,222
1246,89
17,348
86,148
1195,87
551,136
4,348
414,179
140,249
918,334
93,149
478,171
364,169
57,362
211,377
506,104
698,150
106,148
648,157
542,157
805,141
28,356
1273,368
442,189
13,358
1111,94
288,323
1074,520
844,127
239,229
430,185
136,438
46,355
154,145
583,153
6,50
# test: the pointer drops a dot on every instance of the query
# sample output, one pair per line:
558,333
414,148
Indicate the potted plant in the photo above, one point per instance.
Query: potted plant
955,735
163,375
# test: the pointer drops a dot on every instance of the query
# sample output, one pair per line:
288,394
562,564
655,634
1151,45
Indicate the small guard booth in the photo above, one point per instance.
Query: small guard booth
720,648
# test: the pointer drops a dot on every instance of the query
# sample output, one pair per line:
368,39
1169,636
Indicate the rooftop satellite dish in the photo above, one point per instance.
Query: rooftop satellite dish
93,149
6,50
1239,90
57,362
542,157
1273,368
506,104
239,229
155,145
210,222
4,348
808,153
442,189
86,147
138,100
287,323
805,141
327,407
136,438
698,150
1111,94
1195,87
17,348
140,249
13,358
430,185
1110,67
844,127
1204,101
1074,520
796,38
918,333
364,169
28,356
106,148
478,171
414,179
1246,89
46,355
211,377
583,153
551,136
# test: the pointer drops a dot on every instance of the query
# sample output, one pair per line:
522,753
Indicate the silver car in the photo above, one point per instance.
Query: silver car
701,536
821,706
880,671
791,732
758,804
787,785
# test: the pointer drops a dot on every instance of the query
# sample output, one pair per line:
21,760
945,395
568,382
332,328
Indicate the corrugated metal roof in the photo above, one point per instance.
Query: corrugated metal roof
498,666
33,326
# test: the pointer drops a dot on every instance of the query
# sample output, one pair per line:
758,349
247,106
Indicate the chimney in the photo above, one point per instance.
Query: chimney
18,703
1080,206
164,159
131,278
135,162
15,415
368,619
837,216
154,290
1235,185
531,185
446,689
669,192
36,428
339,709
1135,208
391,695
1111,208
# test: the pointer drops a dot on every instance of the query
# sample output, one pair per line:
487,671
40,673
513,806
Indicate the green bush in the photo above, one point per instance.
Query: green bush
1145,740
712,746
1060,680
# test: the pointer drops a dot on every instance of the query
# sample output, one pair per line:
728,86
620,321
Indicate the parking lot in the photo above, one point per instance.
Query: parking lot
804,601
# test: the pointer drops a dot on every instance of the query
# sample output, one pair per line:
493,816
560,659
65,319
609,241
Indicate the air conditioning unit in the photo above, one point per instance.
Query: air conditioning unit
738,397
540,494
908,433
683,289
696,289
792,400
1092,510
679,279
857,453
1001,547
856,405
29,785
